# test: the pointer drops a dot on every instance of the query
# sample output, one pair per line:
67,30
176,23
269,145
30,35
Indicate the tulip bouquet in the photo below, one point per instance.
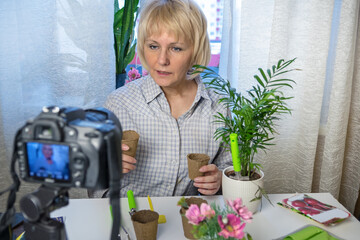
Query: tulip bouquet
214,222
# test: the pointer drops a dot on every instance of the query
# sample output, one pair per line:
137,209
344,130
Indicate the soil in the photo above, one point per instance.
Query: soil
145,216
193,200
253,176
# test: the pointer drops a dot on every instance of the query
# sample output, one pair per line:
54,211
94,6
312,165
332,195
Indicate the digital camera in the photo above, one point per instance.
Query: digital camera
69,147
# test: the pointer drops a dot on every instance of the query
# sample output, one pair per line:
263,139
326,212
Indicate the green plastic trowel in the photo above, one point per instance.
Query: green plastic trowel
235,154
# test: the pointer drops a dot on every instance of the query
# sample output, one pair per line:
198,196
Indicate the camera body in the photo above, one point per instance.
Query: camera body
69,147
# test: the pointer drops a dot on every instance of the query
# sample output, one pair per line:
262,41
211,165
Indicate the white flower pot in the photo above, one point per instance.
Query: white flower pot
246,190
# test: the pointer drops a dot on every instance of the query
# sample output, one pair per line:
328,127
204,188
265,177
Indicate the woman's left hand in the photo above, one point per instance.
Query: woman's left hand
211,182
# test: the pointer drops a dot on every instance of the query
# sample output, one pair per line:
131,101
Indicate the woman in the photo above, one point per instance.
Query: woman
170,108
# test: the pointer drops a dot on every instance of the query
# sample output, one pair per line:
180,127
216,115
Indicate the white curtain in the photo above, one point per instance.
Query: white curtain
317,149
51,53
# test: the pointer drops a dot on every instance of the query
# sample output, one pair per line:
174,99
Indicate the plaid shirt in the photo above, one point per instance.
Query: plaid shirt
161,168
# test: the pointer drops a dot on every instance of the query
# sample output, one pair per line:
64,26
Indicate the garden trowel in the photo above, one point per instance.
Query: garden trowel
131,201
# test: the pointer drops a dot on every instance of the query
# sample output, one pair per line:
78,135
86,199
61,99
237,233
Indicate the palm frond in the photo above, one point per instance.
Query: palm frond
253,117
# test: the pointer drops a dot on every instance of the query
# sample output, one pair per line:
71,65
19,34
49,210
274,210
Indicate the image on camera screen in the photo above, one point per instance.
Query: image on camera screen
48,161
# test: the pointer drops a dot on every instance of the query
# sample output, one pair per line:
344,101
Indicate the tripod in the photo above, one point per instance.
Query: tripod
36,208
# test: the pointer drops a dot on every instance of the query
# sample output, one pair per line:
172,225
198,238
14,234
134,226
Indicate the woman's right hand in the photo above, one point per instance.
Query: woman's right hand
128,162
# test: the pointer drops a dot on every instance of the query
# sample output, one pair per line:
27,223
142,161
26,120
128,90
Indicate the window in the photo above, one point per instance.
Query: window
213,10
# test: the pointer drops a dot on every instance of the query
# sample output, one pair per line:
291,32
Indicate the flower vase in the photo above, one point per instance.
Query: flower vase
120,79
246,190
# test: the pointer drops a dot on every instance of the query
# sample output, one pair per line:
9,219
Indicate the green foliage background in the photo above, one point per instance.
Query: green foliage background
124,24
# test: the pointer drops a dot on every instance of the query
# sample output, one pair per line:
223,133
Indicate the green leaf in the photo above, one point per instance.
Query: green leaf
263,74
285,64
283,80
259,80
280,62
283,72
263,192
124,23
130,56
281,85
118,21
116,6
269,73
273,68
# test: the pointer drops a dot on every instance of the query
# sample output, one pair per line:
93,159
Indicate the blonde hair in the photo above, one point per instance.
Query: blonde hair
180,17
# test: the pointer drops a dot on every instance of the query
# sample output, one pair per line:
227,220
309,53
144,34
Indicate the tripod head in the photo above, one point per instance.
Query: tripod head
36,208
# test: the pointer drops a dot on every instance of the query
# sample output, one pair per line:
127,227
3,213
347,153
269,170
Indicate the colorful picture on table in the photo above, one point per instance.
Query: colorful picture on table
315,209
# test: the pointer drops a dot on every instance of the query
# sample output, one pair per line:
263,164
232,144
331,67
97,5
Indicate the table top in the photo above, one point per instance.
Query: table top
91,219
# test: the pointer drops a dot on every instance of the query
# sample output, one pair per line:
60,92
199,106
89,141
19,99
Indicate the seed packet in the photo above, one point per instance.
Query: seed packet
314,209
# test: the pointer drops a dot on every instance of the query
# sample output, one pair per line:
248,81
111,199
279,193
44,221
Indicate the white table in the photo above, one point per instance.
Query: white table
90,218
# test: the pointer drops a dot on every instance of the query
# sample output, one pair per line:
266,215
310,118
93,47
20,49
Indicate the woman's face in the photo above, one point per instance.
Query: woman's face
47,151
168,59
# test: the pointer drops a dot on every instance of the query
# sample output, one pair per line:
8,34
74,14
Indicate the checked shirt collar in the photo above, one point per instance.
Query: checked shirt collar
151,90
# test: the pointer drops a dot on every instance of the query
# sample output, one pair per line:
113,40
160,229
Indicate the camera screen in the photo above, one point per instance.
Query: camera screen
48,161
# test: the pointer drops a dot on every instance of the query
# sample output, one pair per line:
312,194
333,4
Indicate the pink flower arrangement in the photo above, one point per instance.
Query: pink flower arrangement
240,209
231,226
213,222
195,215
133,74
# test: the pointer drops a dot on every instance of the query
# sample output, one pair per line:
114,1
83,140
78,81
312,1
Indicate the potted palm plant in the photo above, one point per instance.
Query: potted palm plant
124,42
249,128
